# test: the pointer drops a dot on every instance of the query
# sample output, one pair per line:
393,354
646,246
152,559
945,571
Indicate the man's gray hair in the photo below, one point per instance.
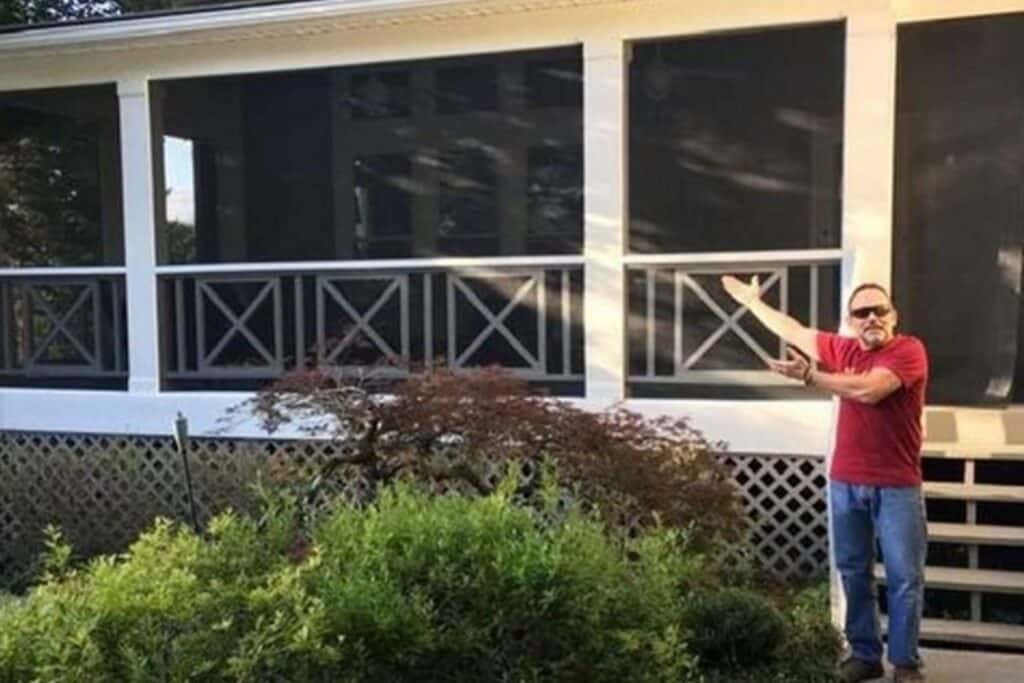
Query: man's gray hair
868,285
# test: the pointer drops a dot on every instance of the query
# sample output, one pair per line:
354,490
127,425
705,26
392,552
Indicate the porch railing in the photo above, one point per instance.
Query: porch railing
63,329
684,329
232,324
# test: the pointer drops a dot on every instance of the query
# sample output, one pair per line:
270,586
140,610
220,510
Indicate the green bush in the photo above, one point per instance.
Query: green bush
734,628
413,588
166,610
809,651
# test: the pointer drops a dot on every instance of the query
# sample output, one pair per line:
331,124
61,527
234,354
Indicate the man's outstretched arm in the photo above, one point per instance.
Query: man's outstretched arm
789,329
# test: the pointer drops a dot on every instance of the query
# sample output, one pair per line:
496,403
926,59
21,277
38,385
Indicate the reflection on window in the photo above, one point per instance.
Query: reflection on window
958,228
180,199
469,209
554,83
478,155
380,95
60,178
735,141
467,88
383,221
555,192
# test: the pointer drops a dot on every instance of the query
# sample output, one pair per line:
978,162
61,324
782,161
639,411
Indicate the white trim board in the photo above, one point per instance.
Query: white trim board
790,427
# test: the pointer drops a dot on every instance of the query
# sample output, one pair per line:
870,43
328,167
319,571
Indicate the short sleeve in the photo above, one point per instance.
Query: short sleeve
906,360
829,350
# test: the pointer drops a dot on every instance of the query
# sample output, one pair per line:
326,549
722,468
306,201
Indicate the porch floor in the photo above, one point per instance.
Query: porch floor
955,666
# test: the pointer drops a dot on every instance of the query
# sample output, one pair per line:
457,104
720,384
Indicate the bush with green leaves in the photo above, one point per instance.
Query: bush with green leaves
734,628
411,588
809,649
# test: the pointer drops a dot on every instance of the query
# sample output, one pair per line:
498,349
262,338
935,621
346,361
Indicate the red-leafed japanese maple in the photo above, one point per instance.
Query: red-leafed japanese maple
440,425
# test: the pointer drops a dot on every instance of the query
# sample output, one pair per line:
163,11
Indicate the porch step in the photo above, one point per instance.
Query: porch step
989,493
954,578
974,632
976,534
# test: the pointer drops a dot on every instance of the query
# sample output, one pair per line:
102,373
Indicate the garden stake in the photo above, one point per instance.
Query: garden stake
181,440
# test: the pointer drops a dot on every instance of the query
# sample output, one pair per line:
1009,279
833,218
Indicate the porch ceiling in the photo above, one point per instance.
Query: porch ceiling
258,23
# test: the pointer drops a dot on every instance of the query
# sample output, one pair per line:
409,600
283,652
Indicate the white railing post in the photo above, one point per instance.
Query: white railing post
605,223
139,236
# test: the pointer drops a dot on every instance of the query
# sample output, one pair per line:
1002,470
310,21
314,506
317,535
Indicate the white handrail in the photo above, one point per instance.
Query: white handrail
374,264
788,257
59,271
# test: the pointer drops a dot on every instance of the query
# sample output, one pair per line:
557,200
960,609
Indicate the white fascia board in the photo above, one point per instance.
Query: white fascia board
797,427
252,22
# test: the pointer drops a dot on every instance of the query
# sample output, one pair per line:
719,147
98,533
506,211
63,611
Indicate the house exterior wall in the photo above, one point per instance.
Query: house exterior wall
605,30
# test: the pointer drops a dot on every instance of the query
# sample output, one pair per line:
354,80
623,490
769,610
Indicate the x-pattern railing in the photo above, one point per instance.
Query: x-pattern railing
62,326
692,278
496,322
238,322
362,322
351,318
730,321
59,321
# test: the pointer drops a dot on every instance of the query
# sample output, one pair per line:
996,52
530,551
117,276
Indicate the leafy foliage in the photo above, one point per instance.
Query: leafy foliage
734,628
442,425
411,588
809,651
46,11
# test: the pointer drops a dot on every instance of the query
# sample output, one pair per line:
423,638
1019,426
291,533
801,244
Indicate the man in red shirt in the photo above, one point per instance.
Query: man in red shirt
875,478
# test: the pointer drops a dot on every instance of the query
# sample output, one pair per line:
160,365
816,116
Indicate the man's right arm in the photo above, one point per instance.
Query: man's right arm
787,328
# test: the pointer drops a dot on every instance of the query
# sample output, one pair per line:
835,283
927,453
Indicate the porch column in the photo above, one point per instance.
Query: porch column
868,160
139,237
605,221
869,124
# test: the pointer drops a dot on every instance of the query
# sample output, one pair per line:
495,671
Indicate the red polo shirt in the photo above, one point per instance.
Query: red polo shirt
878,445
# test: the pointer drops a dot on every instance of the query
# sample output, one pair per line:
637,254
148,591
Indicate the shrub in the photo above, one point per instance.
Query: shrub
734,628
809,651
453,427
410,588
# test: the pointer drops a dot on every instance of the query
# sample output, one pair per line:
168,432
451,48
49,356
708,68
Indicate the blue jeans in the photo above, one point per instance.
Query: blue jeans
894,516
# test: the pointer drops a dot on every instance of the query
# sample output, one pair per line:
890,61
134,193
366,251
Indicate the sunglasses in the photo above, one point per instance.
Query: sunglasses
863,313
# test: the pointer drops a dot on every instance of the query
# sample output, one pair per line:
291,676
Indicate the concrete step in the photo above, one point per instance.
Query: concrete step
981,580
975,534
958,666
978,633
989,493
973,632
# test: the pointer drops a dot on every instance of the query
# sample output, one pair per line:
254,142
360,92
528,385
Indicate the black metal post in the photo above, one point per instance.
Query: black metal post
181,440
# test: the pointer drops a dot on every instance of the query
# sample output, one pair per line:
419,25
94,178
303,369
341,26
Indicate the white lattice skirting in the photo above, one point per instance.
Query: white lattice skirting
103,490
784,498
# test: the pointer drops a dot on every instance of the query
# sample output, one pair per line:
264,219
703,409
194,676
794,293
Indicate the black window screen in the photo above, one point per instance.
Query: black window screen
959,168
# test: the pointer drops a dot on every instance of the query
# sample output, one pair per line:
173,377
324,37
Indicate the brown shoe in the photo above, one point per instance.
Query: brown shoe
854,670
905,674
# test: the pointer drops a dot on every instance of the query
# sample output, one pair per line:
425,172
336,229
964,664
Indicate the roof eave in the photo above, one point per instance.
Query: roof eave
259,22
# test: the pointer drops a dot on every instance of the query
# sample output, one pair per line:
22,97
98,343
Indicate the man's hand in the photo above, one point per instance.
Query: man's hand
796,367
742,292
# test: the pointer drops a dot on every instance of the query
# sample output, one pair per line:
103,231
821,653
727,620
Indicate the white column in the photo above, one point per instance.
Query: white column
869,124
605,223
868,160
139,237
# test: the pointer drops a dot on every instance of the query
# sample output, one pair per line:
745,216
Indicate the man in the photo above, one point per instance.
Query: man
875,479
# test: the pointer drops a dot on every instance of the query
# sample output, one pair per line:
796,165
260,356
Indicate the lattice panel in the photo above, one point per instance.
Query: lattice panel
785,501
103,490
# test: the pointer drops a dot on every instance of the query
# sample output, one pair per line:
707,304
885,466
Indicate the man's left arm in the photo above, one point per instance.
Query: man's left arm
902,368
868,387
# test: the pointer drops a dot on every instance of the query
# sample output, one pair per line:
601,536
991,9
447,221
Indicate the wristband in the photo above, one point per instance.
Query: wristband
807,378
